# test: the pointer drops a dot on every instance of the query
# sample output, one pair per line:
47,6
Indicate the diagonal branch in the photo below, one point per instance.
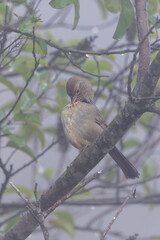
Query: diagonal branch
131,194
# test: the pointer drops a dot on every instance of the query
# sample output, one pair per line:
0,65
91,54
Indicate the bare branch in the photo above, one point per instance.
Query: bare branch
142,28
36,158
117,214
82,70
72,50
7,174
72,192
33,51
34,210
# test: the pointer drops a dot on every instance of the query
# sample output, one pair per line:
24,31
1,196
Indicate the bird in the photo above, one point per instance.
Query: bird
83,122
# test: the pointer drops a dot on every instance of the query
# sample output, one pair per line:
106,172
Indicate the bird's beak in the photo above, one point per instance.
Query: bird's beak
72,98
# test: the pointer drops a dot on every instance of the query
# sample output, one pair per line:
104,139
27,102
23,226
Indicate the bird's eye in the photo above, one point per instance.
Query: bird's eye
77,90
84,100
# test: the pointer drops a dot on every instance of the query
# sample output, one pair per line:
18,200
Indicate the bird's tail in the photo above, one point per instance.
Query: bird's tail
128,169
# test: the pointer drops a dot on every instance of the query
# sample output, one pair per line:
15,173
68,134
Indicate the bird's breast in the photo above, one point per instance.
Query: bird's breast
79,124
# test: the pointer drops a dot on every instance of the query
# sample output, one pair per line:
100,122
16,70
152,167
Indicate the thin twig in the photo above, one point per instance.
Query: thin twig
20,95
7,174
26,85
132,193
35,191
72,192
37,157
33,51
34,210
77,66
72,50
18,38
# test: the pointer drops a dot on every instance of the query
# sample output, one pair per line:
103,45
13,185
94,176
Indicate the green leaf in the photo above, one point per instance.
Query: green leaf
81,195
49,35
91,66
132,142
18,2
61,103
105,113
27,118
76,16
41,77
94,82
27,191
110,57
2,113
11,222
42,45
58,4
48,173
40,48
22,189
156,238
26,28
149,169
25,103
26,24
25,132
39,132
21,147
147,188
8,84
125,20
102,7
111,175
3,8
105,65
146,119
30,128
64,222
51,130
113,5
43,62
152,20
61,60
30,94
61,96
152,6
55,109
72,42
19,141
23,65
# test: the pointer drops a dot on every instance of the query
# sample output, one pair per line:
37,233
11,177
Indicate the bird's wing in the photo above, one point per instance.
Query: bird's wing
99,119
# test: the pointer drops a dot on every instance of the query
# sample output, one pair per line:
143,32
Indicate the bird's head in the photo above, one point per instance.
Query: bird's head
79,90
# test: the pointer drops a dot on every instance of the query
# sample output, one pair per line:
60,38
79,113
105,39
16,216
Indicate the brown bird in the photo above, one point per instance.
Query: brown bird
83,122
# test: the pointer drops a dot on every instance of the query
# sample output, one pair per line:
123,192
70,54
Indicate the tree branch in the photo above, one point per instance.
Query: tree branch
144,51
117,213
155,109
